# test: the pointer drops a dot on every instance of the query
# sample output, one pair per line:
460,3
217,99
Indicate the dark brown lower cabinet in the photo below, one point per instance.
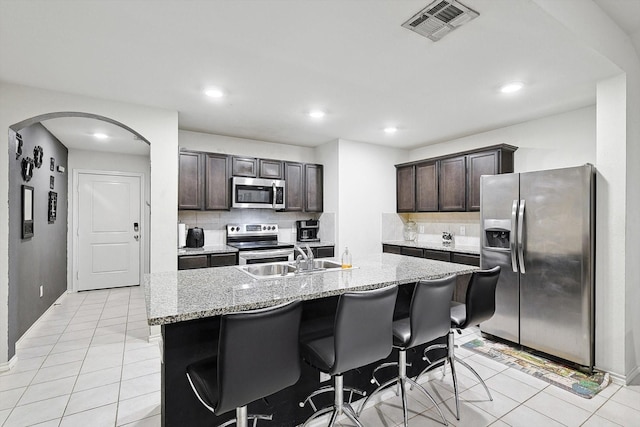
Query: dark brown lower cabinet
188,262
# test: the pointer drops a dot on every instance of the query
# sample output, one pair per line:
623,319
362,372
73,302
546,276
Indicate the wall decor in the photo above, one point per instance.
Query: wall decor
53,206
51,182
27,168
27,211
52,164
18,146
37,156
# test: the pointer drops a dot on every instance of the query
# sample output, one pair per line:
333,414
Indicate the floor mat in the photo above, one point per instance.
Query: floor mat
583,385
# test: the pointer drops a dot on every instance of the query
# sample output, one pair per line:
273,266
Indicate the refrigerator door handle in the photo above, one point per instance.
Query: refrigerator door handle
521,237
512,236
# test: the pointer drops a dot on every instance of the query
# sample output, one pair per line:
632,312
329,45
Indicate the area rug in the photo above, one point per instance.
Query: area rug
569,379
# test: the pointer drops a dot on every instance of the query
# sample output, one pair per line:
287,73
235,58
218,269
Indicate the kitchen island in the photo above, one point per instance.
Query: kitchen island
188,304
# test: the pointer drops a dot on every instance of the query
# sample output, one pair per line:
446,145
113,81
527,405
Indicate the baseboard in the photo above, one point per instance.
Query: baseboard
633,378
6,366
38,319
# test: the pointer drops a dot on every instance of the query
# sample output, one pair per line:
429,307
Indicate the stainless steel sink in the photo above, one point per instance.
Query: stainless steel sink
284,269
266,270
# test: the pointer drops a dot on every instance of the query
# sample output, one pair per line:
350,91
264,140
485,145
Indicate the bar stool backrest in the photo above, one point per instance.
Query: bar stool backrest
429,314
480,300
363,330
258,354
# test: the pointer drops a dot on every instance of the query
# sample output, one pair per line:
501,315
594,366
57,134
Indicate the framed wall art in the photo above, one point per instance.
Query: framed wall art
51,182
53,206
27,211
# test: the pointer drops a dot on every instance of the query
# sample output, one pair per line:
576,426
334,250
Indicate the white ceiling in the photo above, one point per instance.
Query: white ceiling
77,133
277,59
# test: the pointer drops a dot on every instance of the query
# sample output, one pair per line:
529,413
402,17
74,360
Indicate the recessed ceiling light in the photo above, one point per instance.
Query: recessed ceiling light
316,114
512,87
390,129
100,135
214,93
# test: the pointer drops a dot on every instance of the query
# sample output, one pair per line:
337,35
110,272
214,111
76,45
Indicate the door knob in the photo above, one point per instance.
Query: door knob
136,237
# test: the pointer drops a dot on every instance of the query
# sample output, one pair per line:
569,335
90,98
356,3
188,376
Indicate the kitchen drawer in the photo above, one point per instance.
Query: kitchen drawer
417,252
193,261
391,249
467,259
222,260
323,252
437,255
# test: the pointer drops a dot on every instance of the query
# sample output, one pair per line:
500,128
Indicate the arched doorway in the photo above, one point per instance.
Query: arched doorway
41,266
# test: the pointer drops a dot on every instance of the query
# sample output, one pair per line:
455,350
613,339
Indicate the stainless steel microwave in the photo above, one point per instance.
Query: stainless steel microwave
257,193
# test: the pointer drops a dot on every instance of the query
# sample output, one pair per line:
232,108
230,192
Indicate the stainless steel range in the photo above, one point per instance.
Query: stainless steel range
258,243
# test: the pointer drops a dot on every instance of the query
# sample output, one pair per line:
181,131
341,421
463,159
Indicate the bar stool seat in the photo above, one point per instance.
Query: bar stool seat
427,320
361,335
258,355
479,306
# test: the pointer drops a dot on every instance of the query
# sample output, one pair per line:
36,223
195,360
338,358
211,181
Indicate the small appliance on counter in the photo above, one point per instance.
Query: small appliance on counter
410,231
308,230
195,237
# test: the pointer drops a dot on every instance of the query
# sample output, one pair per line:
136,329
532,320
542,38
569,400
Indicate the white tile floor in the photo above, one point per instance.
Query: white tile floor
88,362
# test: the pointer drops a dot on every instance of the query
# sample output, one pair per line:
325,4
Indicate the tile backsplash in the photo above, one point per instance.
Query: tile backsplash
214,223
465,226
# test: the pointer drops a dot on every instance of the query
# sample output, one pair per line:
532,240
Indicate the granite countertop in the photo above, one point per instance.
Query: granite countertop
474,250
205,250
193,294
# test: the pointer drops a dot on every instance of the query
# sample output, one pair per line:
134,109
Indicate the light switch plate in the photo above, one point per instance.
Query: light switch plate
463,230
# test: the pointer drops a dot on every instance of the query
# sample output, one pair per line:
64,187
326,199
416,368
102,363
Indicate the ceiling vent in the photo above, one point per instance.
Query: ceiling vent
440,18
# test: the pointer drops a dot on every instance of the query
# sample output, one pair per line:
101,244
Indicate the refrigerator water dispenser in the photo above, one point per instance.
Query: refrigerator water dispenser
497,233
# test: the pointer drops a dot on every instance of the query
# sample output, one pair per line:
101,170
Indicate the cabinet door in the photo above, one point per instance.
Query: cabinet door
406,189
244,166
486,163
190,181
270,169
427,187
217,182
193,261
294,195
313,186
453,182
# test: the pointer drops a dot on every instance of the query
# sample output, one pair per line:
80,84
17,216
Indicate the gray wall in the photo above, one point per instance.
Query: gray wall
41,259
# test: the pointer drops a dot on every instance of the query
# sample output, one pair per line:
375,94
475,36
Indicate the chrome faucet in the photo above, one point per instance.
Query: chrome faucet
308,257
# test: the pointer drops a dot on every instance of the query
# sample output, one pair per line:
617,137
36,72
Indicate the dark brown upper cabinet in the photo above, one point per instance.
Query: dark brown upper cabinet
427,187
486,163
449,183
190,180
453,182
313,188
406,188
294,192
217,183
270,169
244,166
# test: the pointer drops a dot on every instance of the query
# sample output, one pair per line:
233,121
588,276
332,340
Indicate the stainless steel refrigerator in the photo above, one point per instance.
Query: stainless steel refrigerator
539,227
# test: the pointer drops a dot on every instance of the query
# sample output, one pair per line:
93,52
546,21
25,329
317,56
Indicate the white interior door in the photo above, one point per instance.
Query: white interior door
108,231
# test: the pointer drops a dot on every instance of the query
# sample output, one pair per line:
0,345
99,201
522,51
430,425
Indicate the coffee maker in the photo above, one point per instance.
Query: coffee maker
307,230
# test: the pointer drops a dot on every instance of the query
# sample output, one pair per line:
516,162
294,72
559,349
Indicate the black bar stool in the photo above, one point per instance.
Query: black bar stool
361,335
258,355
479,306
428,320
